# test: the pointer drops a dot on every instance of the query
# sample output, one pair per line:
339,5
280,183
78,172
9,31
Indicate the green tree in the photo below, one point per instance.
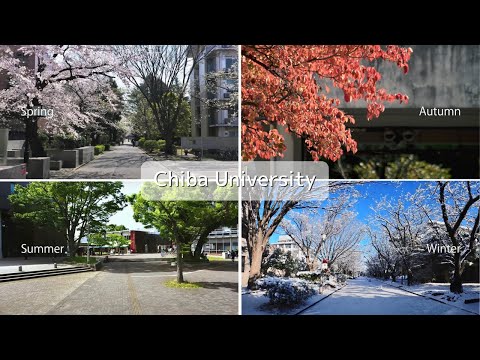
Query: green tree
113,240
162,74
183,221
144,123
73,208
140,116
215,215
113,227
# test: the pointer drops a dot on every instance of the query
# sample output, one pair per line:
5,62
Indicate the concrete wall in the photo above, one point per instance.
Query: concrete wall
13,171
439,76
210,142
38,168
85,154
70,158
55,164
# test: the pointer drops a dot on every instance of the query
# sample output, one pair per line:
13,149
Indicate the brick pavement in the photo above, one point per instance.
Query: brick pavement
124,288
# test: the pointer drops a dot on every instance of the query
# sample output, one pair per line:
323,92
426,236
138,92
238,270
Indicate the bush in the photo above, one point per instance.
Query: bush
141,142
314,276
150,145
65,143
286,292
341,278
282,262
99,149
223,155
161,145
107,147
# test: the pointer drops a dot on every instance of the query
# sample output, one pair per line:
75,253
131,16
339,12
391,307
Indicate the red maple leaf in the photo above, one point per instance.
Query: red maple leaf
286,87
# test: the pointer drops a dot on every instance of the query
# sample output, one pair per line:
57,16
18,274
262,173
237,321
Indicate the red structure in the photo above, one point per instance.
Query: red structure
143,242
133,244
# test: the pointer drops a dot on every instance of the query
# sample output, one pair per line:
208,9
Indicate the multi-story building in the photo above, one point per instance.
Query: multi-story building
285,243
214,114
221,240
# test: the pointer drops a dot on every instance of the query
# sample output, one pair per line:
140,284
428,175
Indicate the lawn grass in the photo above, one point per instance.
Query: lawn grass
184,285
217,258
80,260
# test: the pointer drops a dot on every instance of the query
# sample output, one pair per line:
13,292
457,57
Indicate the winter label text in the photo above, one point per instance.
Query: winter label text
442,249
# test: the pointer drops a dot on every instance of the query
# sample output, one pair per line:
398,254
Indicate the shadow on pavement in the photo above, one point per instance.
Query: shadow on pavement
217,285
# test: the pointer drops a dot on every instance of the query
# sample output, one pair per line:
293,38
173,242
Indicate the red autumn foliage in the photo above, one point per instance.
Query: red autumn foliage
286,87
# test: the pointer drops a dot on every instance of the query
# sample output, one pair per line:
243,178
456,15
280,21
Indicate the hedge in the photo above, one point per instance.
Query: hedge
150,145
99,149
161,145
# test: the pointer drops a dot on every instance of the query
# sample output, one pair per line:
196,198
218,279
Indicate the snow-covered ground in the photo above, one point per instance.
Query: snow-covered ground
363,296
441,292
256,303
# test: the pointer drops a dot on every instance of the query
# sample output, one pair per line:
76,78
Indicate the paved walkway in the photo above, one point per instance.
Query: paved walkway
126,287
364,297
122,162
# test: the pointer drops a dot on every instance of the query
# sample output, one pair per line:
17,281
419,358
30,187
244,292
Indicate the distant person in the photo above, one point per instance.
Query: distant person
232,254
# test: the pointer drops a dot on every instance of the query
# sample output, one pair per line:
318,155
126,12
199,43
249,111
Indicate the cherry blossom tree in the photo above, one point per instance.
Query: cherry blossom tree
289,87
38,76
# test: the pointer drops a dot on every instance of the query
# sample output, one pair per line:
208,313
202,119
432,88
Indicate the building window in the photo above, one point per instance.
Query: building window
212,116
229,62
211,65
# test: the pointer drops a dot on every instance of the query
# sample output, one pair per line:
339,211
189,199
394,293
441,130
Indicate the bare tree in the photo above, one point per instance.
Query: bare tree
162,74
351,263
457,205
403,226
343,240
386,261
260,219
320,233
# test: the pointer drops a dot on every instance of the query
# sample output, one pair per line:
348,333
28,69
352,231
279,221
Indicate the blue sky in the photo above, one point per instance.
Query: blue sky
125,217
370,192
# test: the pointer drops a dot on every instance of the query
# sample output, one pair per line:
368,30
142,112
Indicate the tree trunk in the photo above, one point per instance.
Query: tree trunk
35,143
198,248
72,247
28,138
169,148
456,284
409,277
310,263
179,264
256,260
